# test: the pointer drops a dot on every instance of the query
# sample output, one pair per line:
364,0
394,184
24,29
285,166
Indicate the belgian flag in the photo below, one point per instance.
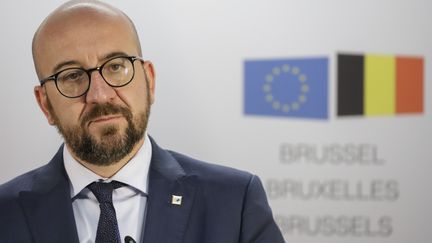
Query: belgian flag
373,85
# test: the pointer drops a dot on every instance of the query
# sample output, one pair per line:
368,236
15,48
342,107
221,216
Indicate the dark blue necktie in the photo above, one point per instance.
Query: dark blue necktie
107,230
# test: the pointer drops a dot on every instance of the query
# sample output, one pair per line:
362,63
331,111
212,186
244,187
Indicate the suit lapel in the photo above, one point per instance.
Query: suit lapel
48,206
49,212
166,221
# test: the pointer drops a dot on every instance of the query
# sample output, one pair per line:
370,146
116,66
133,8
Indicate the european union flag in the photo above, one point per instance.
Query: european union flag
287,87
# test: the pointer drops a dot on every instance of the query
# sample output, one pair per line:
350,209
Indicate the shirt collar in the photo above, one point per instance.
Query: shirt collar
134,173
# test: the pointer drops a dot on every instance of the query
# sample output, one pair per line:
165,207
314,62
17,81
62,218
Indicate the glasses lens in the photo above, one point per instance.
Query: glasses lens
72,82
118,71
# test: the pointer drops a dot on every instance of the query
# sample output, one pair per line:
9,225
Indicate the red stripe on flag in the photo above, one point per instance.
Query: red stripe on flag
409,85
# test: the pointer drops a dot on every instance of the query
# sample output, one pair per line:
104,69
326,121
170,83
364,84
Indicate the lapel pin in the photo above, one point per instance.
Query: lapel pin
176,200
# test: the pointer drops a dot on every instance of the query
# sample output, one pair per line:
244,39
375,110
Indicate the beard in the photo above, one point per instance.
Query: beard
113,144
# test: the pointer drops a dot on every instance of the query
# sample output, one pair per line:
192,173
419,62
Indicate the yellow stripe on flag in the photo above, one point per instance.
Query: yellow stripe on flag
379,85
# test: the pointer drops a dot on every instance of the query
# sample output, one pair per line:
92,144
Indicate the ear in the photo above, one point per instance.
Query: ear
42,100
150,73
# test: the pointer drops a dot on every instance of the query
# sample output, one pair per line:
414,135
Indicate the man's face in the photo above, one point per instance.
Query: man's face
104,125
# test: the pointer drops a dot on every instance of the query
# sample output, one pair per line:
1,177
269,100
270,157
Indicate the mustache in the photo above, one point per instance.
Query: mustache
105,109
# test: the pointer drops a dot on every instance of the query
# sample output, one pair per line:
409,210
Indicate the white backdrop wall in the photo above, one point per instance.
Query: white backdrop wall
199,49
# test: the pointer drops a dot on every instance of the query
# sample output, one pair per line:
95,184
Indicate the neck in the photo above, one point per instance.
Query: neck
107,171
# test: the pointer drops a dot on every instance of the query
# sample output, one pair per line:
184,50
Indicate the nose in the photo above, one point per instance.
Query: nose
99,91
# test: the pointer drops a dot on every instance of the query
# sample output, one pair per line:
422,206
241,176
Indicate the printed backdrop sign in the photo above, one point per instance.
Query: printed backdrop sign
327,101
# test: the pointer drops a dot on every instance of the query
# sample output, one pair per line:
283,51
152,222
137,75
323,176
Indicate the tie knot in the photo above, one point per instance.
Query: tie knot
103,191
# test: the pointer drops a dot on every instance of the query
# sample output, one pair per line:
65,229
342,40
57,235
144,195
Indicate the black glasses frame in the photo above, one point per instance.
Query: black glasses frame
54,77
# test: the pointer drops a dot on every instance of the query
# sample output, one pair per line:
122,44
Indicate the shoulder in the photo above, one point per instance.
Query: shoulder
43,177
173,164
214,175
24,182
10,193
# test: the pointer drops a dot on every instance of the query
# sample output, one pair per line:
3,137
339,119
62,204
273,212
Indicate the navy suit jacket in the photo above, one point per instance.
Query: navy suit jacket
219,204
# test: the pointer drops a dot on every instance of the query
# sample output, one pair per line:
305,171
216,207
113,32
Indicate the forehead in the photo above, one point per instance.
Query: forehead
84,37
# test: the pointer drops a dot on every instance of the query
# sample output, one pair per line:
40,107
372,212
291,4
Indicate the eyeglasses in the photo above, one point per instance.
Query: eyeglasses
75,82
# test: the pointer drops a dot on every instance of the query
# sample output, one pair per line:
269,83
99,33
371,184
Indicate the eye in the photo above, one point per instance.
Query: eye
71,75
115,67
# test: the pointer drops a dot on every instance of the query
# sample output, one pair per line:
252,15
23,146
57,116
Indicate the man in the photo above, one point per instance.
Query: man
110,181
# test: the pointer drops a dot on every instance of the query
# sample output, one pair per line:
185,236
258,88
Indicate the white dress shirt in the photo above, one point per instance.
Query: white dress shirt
129,201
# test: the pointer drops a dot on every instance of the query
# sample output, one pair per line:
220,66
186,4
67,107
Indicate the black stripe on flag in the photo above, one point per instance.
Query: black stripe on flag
350,84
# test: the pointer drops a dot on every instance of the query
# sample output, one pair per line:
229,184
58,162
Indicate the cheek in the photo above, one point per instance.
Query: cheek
69,117
134,96
68,113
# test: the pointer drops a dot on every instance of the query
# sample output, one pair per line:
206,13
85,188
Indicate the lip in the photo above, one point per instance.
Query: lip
103,119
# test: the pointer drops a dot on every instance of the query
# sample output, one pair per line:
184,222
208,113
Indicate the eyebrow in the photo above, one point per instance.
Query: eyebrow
73,62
